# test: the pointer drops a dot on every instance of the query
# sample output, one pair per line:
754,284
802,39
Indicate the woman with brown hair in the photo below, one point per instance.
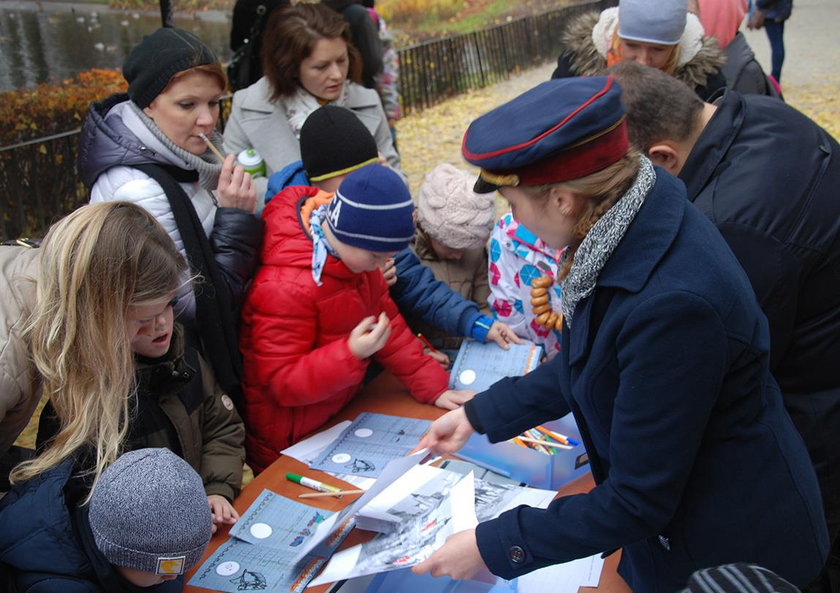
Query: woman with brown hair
308,61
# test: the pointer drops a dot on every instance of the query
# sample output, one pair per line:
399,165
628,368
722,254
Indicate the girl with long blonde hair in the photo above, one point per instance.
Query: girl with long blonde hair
94,264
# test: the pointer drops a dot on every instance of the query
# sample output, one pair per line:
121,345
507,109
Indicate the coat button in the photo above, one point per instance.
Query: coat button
516,554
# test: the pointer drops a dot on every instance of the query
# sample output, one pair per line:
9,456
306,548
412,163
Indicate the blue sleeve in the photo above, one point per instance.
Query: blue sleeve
291,174
418,293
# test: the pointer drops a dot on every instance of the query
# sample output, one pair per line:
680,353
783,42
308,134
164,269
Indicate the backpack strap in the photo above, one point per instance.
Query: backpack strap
216,322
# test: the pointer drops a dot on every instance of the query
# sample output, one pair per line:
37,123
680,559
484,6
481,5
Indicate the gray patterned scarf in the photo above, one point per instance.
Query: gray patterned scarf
207,165
601,240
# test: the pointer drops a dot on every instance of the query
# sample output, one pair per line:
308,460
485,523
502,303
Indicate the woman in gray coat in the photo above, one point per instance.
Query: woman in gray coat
308,61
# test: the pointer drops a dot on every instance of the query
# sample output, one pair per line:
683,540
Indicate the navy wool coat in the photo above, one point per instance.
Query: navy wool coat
665,367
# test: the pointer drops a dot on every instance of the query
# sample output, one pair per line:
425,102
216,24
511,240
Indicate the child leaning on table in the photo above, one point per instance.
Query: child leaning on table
318,310
145,525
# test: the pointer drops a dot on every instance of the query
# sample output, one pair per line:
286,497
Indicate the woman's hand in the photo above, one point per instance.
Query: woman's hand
389,270
458,558
369,336
448,433
502,335
222,511
236,189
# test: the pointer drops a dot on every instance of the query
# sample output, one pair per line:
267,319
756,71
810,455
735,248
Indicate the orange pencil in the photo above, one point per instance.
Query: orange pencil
426,342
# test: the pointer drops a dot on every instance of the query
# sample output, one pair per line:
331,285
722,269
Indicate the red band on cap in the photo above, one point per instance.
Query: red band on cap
576,162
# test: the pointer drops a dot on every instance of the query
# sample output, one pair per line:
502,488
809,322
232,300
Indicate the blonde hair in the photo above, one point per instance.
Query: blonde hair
600,190
214,70
94,264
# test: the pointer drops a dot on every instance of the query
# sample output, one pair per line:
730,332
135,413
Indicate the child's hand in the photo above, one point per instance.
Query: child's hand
235,189
389,270
223,512
502,335
452,399
369,336
439,357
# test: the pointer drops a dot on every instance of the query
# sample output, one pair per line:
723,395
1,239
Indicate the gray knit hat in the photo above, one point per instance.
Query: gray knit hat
149,512
154,61
660,22
451,212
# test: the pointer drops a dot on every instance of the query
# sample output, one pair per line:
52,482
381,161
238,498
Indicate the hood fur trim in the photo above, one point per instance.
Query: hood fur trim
587,39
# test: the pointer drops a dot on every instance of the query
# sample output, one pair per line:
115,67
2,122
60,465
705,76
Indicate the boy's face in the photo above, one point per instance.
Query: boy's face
149,327
141,578
361,260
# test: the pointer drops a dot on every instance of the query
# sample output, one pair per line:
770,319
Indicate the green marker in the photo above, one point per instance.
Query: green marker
310,483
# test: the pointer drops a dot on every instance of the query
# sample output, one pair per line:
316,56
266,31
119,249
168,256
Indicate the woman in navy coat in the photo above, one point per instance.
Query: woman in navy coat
664,364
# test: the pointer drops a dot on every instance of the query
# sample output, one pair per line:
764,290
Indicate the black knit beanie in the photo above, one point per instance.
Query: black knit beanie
334,142
159,57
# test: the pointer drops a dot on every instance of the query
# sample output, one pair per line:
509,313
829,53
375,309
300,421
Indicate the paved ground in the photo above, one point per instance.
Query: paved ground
810,81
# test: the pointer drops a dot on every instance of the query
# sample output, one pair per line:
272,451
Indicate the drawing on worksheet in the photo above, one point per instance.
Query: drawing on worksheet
369,443
263,551
422,526
277,522
477,366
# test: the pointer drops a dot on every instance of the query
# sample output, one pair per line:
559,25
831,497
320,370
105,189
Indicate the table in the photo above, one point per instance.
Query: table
383,395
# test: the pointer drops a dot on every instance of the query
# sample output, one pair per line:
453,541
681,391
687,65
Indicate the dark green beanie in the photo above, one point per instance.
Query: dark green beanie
160,56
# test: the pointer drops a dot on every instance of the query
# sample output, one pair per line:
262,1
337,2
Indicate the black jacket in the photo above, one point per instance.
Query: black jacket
769,178
742,71
365,37
46,545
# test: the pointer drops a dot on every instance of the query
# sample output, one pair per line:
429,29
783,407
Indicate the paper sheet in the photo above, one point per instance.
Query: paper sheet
421,530
275,529
309,449
392,471
369,443
563,578
478,366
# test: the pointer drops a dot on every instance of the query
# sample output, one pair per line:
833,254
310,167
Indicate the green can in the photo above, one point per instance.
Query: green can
252,162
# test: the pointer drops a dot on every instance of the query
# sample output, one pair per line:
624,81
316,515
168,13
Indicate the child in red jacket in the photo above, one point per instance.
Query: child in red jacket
318,310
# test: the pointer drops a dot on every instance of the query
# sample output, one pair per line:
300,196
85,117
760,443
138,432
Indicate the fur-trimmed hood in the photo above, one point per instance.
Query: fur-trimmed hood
587,38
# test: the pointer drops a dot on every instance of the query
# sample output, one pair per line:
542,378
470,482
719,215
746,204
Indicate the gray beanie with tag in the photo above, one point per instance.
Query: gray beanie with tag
149,512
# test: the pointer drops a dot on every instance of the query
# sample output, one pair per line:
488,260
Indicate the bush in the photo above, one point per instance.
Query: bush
47,109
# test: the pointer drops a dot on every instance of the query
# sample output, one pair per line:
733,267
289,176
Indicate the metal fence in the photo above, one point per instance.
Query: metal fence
39,182
434,70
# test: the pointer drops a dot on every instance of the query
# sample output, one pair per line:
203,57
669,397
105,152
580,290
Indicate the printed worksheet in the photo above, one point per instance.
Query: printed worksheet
278,522
478,366
240,566
423,526
369,443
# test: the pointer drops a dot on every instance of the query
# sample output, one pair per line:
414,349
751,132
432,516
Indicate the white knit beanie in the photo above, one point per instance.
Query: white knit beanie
450,211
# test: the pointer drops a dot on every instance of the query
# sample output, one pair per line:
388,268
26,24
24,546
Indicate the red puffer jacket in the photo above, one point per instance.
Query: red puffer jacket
299,370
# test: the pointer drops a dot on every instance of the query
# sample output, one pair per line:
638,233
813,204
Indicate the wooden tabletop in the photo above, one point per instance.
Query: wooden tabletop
383,395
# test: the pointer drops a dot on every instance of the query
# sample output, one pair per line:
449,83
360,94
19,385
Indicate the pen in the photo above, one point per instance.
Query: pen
314,484
558,437
544,443
338,494
426,342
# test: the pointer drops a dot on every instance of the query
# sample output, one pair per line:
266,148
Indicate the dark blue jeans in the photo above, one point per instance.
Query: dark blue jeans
775,33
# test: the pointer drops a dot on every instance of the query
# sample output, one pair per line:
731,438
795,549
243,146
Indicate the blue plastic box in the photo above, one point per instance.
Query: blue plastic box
530,466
